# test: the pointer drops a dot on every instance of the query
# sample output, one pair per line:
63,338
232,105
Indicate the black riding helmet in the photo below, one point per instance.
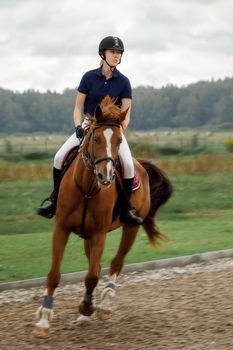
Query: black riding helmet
111,43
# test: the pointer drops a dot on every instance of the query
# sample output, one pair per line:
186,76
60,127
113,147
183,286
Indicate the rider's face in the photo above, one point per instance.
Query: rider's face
113,57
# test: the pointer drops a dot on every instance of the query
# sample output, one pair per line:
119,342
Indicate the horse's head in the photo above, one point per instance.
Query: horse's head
102,142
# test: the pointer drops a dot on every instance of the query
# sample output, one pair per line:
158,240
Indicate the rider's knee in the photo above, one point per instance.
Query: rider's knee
58,160
128,169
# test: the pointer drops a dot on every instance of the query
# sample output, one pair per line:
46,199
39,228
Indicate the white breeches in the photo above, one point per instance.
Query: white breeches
70,143
124,155
126,159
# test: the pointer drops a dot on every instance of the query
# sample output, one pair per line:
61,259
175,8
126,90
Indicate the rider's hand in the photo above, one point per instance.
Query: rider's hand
79,131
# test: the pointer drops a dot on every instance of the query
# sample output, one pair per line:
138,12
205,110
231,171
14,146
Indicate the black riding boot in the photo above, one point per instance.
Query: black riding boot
126,215
49,209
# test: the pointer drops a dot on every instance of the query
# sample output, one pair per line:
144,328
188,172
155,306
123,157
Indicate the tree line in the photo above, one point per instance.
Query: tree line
203,104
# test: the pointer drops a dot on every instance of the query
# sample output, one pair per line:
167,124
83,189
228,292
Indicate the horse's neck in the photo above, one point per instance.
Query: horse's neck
84,178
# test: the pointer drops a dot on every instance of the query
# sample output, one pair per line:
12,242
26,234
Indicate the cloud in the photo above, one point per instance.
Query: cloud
50,44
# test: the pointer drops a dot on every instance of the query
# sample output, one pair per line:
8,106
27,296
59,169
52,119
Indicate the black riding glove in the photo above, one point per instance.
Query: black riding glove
79,131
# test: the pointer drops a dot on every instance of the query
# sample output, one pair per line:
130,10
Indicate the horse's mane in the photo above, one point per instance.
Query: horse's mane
110,110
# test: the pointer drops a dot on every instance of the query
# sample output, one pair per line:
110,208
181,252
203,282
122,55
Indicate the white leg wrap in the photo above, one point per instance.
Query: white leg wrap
44,315
106,299
108,294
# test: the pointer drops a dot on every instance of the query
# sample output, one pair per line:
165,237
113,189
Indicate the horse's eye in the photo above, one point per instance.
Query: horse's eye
119,141
96,139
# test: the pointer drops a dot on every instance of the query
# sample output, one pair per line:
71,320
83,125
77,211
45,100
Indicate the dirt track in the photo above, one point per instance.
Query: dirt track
180,308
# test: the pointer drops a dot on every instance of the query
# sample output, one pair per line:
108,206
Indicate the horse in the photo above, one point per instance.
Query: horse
86,204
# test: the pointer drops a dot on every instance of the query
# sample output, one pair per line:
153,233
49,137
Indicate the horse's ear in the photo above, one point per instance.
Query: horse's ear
98,112
123,115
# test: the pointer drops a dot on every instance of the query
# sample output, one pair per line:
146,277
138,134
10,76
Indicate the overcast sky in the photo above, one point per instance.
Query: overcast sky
49,44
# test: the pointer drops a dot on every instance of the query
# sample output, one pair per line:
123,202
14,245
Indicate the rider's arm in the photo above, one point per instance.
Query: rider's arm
78,109
126,103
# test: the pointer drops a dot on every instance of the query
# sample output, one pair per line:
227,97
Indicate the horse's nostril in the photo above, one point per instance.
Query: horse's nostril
100,177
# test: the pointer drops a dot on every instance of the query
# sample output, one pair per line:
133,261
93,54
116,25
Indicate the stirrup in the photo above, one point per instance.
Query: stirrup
46,200
49,211
130,219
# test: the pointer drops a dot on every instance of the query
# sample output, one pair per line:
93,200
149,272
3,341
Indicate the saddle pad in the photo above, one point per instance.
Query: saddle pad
136,180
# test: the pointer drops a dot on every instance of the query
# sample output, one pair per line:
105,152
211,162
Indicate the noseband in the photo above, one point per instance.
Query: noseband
89,159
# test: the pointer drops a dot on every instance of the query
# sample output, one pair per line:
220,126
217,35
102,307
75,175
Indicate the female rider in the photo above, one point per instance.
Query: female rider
94,86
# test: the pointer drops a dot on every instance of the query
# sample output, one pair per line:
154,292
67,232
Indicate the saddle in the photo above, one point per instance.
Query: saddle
70,156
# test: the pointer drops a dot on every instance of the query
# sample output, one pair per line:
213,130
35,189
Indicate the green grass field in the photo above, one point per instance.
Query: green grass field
28,255
198,218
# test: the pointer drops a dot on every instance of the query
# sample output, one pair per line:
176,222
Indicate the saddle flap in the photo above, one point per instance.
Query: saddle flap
70,156
119,179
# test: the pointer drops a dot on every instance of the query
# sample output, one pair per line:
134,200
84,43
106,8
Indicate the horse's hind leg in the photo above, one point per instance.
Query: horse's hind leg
45,311
127,240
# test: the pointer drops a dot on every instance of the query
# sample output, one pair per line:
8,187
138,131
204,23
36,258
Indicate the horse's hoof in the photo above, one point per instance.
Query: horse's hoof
84,320
40,332
103,315
86,309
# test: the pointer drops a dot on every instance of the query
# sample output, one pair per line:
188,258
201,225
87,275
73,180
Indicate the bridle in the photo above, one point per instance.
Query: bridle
89,157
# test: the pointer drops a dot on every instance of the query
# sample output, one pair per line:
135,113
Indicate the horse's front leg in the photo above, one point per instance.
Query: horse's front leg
104,310
94,249
45,311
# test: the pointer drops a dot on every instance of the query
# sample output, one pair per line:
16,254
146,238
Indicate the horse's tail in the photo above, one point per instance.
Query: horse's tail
160,191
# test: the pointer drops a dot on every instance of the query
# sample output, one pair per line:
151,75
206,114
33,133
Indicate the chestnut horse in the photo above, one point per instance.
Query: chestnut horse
87,197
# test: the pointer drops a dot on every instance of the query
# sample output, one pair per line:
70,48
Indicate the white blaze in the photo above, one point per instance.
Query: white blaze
108,134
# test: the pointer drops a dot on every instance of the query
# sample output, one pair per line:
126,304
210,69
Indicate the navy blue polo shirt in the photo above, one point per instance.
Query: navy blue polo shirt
95,85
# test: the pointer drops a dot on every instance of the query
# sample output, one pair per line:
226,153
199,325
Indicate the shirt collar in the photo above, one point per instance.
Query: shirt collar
115,73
